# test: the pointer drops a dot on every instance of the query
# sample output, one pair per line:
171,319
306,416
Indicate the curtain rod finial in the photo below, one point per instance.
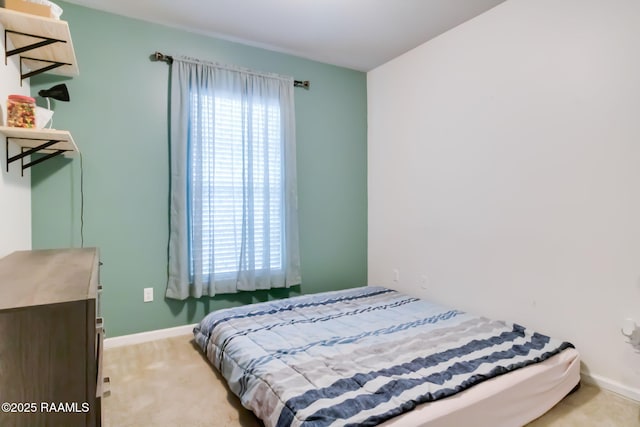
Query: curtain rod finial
158,56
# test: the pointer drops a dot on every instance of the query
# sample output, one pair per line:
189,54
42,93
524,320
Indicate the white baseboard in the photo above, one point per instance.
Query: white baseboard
148,336
613,386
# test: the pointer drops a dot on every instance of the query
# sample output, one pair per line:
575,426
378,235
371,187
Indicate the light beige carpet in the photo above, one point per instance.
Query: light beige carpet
169,383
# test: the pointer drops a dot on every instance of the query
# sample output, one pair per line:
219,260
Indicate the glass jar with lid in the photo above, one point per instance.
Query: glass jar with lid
21,111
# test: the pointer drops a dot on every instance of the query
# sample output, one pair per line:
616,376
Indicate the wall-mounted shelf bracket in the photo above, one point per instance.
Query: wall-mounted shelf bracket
51,66
49,142
24,152
43,41
47,41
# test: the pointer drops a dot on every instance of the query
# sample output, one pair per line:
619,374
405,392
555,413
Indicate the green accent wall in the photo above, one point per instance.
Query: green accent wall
118,116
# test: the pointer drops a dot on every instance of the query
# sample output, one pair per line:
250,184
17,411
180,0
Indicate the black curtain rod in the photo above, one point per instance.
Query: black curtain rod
157,56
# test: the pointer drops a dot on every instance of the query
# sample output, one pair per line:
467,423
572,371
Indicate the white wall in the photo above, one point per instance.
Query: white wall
15,190
504,165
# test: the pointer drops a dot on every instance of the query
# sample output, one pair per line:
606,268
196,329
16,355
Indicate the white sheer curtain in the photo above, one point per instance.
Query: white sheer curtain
233,203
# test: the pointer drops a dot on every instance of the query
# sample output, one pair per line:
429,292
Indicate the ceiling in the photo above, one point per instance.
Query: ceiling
357,34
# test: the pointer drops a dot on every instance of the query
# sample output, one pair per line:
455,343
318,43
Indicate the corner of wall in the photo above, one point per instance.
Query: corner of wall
15,189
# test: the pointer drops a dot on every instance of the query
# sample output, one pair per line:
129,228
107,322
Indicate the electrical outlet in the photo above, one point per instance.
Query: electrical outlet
423,281
396,275
148,294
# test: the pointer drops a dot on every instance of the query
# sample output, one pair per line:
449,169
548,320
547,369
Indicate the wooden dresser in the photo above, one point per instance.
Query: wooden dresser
50,338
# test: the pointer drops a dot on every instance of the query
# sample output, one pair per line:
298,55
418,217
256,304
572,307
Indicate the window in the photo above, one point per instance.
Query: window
238,168
233,202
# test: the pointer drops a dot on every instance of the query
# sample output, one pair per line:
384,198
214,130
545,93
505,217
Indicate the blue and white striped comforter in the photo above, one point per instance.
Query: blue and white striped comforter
359,356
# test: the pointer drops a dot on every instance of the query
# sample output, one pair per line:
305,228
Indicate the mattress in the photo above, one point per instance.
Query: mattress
510,400
372,355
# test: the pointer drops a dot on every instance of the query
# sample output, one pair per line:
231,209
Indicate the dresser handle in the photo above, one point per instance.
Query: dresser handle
100,324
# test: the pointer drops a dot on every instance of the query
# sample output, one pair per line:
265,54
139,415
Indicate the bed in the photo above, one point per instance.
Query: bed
375,356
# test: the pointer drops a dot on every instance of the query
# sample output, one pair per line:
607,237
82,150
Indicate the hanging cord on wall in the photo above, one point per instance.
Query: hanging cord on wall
81,202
